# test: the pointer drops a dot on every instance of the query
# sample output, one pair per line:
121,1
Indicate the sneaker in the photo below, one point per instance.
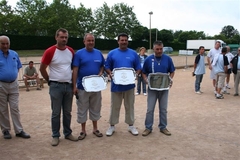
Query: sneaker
145,94
39,89
227,86
71,138
55,141
236,94
198,92
219,96
166,132
146,132
110,131
136,93
7,135
225,92
133,130
215,92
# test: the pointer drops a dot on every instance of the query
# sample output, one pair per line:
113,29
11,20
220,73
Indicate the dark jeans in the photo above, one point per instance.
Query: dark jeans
61,99
139,82
198,82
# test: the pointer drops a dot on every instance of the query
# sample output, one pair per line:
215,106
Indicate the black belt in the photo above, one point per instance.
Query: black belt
58,82
7,81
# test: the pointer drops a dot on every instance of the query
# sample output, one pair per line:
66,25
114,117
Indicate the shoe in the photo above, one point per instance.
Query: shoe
225,92
23,135
133,130
146,132
136,93
166,132
82,136
145,94
71,138
55,141
236,94
227,86
198,92
215,92
110,131
7,135
219,97
98,133
39,89
27,90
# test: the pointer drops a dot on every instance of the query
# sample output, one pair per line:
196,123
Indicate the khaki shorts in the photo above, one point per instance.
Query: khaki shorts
220,79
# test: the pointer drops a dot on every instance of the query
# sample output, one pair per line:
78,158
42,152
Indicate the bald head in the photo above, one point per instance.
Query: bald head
228,48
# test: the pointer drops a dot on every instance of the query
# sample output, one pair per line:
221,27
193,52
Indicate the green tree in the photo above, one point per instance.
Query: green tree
117,19
166,36
229,31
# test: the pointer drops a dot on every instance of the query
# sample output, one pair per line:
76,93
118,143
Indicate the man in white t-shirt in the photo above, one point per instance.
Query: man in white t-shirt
210,57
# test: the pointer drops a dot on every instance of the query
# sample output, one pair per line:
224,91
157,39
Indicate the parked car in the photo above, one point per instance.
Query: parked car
167,50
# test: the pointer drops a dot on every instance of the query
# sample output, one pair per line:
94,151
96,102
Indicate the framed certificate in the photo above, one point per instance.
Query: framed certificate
94,83
159,81
124,76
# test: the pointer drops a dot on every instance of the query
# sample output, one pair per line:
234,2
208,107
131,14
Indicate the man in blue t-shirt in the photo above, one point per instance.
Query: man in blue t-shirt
86,62
9,93
157,63
117,58
199,69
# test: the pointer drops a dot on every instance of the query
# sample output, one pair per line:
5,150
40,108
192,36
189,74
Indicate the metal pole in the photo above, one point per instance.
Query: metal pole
150,38
156,34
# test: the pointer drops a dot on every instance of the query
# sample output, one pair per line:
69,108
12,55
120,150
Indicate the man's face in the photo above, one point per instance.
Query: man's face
30,65
62,38
217,45
89,42
158,50
143,51
202,50
123,42
4,44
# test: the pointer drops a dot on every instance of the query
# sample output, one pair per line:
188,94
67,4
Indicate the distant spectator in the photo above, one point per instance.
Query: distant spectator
30,73
235,63
199,69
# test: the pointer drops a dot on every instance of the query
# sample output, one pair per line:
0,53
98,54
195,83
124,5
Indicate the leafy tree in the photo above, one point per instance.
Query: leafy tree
166,36
117,19
140,33
229,31
9,21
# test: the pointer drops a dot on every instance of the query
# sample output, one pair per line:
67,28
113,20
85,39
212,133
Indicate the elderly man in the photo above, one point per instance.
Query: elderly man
9,93
235,63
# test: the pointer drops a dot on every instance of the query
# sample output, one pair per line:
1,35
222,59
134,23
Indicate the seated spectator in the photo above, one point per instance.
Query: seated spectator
30,73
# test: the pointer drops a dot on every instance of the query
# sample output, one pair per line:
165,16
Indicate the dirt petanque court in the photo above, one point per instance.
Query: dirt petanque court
202,127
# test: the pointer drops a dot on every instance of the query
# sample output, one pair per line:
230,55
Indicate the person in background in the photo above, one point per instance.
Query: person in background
140,81
230,57
117,58
9,92
199,69
157,63
235,63
30,73
88,61
59,60
219,67
210,57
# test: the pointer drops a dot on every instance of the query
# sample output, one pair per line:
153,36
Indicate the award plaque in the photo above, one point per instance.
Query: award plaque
124,76
159,81
94,83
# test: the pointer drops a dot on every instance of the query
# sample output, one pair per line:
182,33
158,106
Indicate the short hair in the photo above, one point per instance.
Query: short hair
61,30
142,48
158,43
3,36
30,62
201,47
122,35
224,50
85,36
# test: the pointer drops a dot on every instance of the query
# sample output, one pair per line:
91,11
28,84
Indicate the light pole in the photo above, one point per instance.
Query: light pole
150,13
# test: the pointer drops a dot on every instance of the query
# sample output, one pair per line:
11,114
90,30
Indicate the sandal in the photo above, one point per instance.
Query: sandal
82,136
98,133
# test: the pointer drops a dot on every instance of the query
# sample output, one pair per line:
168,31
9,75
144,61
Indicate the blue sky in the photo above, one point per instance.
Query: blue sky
209,16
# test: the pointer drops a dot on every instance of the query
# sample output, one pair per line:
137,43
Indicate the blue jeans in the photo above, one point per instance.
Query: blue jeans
61,98
139,82
198,82
152,97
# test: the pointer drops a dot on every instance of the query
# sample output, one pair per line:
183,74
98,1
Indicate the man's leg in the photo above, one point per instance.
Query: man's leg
163,104
26,83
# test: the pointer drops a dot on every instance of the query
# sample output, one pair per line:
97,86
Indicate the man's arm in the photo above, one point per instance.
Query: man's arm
74,79
43,70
